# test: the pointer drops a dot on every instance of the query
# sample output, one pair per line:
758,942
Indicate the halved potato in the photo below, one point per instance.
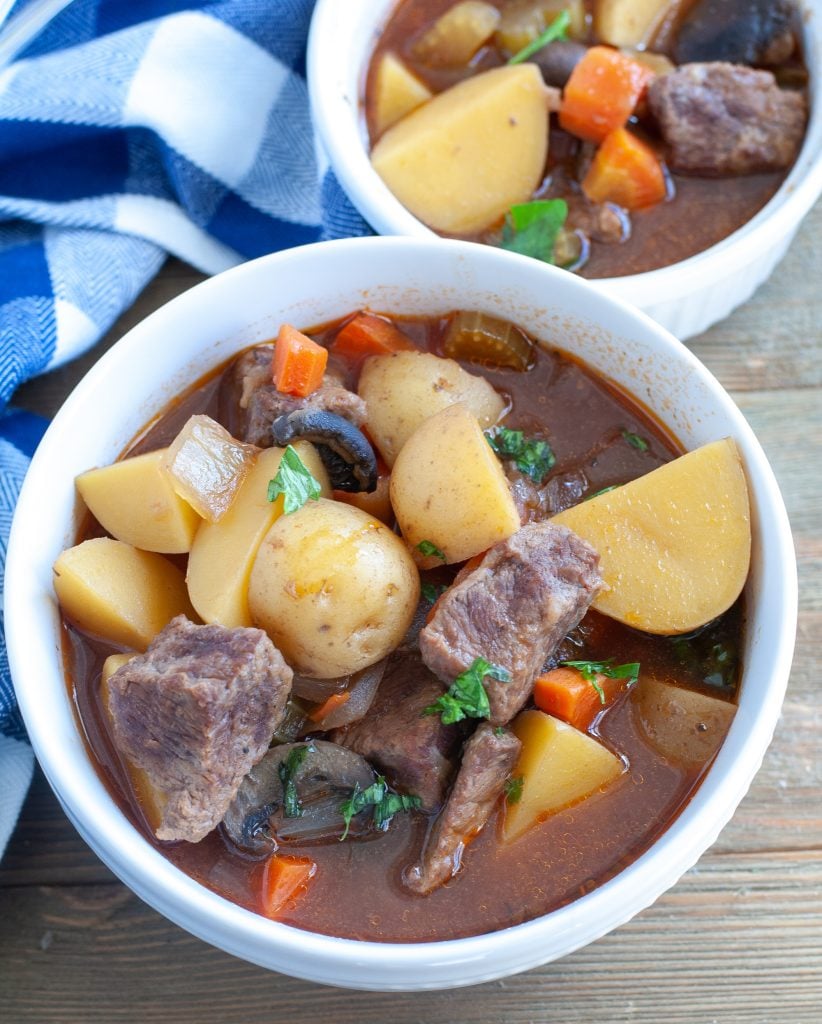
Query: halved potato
628,22
682,725
524,20
456,36
117,592
448,488
403,389
396,92
674,545
460,161
559,766
134,501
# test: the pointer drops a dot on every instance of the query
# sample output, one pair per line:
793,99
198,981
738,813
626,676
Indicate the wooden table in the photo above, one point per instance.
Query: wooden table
739,939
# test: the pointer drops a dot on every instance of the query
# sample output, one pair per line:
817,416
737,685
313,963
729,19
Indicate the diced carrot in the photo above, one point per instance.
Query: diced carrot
566,694
299,363
625,170
283,879
602,93
369,335
333,702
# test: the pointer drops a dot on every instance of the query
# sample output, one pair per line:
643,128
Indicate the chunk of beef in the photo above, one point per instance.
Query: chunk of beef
261,403
414,750
196,712
487,762
527,593
737,31
723,119
601,222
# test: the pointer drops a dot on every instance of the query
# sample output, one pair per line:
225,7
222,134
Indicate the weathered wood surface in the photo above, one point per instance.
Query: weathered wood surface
737,941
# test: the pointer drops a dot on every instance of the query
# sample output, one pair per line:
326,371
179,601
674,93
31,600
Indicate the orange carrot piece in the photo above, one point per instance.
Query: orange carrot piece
625,170
369,335
566,694
283,879
333,702
602,93
299,363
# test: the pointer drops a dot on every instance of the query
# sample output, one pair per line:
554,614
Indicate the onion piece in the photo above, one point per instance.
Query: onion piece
479,338
361,693
318,690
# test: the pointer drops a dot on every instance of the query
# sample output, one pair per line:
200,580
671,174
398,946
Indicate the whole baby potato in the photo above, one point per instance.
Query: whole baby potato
334,588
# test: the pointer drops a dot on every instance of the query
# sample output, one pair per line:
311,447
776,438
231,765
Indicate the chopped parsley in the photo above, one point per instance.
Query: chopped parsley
428,547
591,669
558,29
431,591
635,441
531,229
532,457
467,697
378,796
294,481
513,789
292,808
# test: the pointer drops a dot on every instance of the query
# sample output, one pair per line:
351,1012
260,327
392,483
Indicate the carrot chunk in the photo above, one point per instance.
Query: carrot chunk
369,335
299,363
625,170
284,878
602,93
566,694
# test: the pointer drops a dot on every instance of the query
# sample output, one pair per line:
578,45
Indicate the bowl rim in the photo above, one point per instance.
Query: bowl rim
328,959
340,126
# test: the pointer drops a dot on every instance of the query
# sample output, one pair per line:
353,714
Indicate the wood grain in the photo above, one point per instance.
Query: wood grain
737,941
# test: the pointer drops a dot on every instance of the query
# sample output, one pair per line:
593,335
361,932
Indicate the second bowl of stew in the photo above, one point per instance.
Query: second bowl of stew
406,613
666,150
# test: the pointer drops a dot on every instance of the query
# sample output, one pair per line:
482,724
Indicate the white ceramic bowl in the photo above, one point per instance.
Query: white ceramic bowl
686,298
312,285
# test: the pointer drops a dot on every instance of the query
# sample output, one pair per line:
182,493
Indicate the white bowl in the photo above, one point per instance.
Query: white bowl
316,284
686,298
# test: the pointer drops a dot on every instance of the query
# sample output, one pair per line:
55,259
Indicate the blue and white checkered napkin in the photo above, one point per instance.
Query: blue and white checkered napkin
129,130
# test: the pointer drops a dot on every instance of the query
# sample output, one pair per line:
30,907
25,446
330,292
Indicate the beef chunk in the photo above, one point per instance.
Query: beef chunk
196,712
737,31
722,119
527,593
414,750
487,761
261,403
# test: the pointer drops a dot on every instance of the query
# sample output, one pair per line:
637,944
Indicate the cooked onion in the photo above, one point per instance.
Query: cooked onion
361,695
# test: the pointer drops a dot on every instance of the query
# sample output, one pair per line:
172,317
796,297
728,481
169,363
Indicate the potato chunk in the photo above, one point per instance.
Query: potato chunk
134,501
222,553
334,588
628,22
448,488
404,389
460,161
674,545
524,20
559,765
117,592
683,725
396,93
456,36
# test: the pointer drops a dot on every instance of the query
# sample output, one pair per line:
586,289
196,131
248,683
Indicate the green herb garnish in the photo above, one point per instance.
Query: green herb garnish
513,789
467,697
558,29
294,481
385,804
292,808
635,441
531,229
428,547
591,669
532,457
431,592
603,490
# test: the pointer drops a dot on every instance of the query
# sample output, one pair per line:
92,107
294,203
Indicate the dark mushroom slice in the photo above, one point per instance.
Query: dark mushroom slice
750,32
345,451
557,60
294,794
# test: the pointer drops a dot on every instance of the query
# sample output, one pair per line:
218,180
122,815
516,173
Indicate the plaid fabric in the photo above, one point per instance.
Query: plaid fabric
129,131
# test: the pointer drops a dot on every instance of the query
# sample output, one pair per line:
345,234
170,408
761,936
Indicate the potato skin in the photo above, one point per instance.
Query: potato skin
334,588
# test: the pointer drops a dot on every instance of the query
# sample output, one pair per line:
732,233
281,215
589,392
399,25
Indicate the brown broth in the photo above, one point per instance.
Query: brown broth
357,892
700,212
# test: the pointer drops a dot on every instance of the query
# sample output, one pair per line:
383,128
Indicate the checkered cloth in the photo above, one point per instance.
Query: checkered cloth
129,130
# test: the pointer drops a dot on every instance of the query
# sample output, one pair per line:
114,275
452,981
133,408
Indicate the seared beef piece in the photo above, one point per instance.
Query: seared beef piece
722,119
601,222
414,750
196,712
262,403
737,31
527,593
487,761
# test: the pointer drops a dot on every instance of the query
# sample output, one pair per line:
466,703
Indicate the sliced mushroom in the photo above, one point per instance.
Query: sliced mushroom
325,778
345,451
557,60
737,31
